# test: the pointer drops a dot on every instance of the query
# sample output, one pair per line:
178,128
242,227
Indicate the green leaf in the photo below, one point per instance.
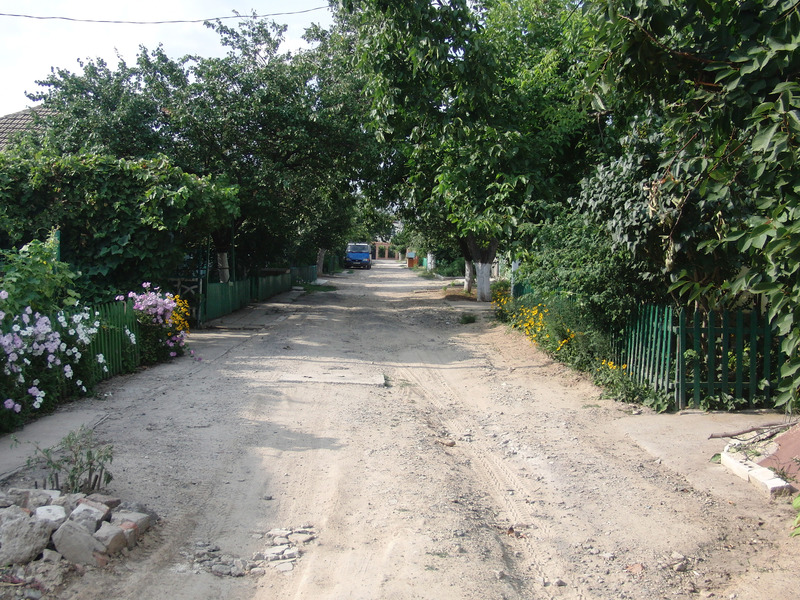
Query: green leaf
763,138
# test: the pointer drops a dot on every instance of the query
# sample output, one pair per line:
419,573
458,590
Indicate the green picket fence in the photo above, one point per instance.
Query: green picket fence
271,285
222,299
113,340
700,355
304,274
648,347
731,353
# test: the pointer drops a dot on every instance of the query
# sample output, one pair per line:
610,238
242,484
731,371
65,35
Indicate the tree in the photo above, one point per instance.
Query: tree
454,91
725,77
286,130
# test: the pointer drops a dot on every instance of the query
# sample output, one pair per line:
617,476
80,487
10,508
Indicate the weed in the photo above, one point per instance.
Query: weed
79,459
796,524
467,318
783,474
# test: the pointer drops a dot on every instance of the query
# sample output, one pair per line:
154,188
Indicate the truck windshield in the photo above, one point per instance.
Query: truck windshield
358,248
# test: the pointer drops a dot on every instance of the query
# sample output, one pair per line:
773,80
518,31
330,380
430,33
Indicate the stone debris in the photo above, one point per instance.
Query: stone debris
283,549
46,526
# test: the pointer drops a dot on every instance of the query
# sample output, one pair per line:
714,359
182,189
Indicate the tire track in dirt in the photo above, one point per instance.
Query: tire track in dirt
538,536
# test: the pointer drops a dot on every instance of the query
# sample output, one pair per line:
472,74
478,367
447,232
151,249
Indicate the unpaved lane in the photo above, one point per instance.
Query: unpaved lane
481,470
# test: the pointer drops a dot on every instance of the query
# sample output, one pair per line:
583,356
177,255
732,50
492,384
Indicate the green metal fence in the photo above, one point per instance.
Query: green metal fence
695,356
268,286
222,299
117,322
730,353
648,344
700,355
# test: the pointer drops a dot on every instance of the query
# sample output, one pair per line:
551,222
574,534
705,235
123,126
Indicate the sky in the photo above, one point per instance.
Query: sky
29,47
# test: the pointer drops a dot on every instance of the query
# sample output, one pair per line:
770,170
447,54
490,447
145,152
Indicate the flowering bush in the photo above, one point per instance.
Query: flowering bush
559,329
163,323
44,359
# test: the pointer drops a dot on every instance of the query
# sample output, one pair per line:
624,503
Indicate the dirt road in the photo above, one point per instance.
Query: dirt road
430,459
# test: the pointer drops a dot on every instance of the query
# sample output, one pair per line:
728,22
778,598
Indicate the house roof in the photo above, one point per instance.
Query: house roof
17,122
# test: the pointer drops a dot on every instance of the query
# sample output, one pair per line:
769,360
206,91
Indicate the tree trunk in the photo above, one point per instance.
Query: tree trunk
483,257
484,272
223,267
431,261
222,239
469,266
320,261
469,275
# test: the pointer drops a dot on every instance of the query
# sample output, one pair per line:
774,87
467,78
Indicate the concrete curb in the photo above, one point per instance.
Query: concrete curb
762,478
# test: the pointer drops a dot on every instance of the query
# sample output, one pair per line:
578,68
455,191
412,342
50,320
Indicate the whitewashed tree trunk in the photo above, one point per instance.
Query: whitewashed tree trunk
483,256
431,261
320,261
223,267
484,273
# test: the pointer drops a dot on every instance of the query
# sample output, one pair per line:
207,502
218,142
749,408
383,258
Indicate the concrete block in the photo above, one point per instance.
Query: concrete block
51,556
52,513
32,498
142,521
103,508
778,487
76,544
131,532
112,537
22,538
736,464
761,474
89,515
111,502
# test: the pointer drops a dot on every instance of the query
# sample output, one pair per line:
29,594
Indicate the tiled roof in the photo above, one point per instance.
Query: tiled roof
16,122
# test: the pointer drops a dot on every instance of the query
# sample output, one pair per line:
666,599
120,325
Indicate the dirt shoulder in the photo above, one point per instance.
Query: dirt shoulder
430,459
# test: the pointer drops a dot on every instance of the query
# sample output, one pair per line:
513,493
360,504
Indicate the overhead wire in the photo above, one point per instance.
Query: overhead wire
115,22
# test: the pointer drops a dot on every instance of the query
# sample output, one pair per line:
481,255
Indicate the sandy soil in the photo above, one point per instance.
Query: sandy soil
480,469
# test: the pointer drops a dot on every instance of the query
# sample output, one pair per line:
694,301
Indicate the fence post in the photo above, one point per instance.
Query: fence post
753,355
724,370
680,363
739,353
711,354
768,355
698,347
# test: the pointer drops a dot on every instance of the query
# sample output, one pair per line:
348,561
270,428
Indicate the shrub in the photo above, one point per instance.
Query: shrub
163,323
43,360
453,268
560,327
32,277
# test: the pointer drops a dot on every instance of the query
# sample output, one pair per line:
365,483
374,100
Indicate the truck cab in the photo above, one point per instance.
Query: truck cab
358,255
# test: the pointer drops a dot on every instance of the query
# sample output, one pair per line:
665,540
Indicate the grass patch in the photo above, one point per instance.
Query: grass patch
310,288
467,318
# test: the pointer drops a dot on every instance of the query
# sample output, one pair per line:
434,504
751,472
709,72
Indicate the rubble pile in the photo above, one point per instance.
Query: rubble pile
48,527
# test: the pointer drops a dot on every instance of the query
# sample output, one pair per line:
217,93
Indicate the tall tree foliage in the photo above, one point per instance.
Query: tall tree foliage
282,128
483,132
724,75
120,220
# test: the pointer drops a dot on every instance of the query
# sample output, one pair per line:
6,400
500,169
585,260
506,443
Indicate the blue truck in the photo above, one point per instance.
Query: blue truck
358,255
